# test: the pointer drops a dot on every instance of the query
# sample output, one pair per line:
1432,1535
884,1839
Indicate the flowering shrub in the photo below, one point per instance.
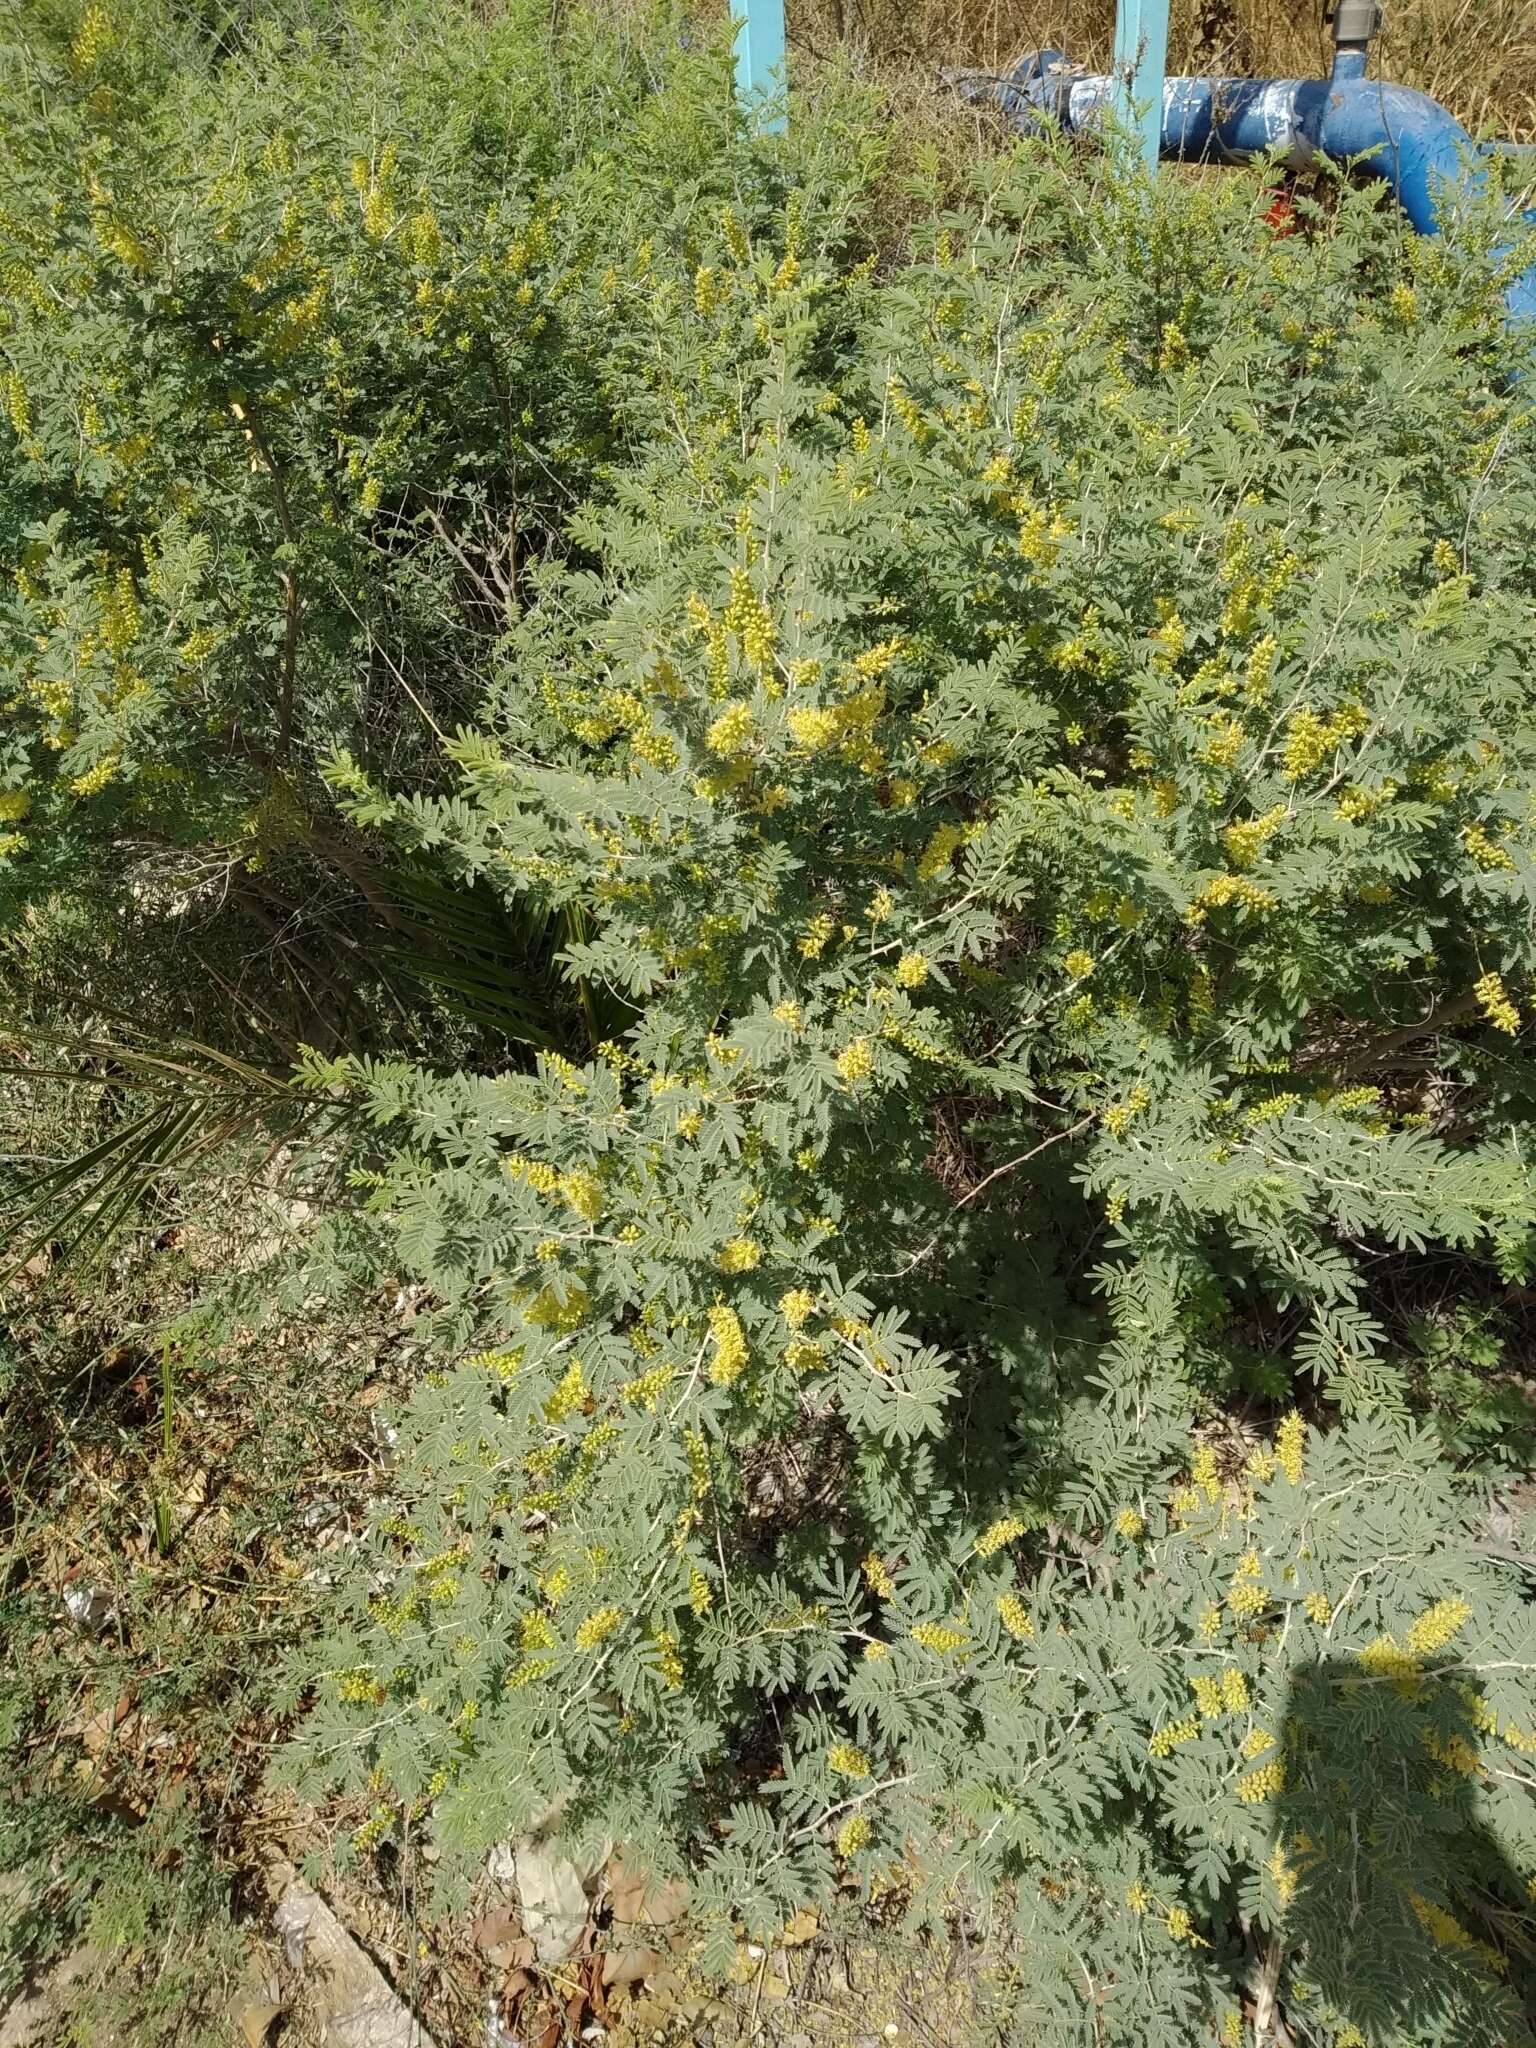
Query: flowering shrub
1044,740
310,341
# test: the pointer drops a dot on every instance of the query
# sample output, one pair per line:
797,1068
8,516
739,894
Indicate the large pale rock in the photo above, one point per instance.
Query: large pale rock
355,2003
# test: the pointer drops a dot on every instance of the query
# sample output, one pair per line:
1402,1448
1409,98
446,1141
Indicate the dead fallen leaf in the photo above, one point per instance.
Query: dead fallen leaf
631,1965
553,1903
640,1900
500,1925
255,2022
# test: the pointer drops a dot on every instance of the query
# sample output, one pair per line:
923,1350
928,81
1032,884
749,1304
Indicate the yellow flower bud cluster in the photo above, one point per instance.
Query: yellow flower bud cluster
1119,1117
1219,1693
1171,1734
669,1661
1002,1531
94,37
749,619
1246,1595
847,1760
1286,1876
1244,841
878,1575
730,1345
1386,1658
732,732
1262,1784
1015,1616
813,939
852,1835
598,1627
1485,851
1223,890
1436,1626
938,1637
935,858
1311,740
570,1395
582,1189
1496,1004
359,1687
1290,1443
855,1063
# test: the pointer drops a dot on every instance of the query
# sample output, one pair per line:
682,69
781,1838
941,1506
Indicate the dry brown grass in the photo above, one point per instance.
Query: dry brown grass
1476,56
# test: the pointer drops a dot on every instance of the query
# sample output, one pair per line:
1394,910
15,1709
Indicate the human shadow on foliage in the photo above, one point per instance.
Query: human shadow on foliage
1405,1916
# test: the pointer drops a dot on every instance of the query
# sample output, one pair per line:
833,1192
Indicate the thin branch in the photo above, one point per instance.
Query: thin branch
1059,1138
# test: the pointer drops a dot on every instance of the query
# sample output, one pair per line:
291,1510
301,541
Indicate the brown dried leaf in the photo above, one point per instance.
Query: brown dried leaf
631,1965
640,1900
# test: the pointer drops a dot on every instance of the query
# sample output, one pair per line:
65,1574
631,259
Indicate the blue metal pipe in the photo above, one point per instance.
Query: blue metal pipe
1391,131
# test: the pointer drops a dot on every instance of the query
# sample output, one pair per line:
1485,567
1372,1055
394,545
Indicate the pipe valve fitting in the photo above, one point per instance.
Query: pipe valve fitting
1354,22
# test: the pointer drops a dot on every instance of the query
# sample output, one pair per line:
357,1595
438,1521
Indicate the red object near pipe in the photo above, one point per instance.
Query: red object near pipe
1281,217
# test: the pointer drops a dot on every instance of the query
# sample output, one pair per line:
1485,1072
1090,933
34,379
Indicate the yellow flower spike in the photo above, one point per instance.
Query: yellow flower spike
847,1760
569,1396
1494,1001
877,1574
797,1306
1290,1441
669,1660
1436,1626
732,732
912,970
1015,1616
1167,1738
941,849
938,1637
1385,1658
815,728
1261,1784
853,1835
1002,1531
598,1627
813,939
583,1190
855,1063
1208,1697
730,1345
1203,1472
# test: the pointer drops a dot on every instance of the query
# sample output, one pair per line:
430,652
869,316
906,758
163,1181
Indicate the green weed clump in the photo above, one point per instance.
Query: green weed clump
970,1348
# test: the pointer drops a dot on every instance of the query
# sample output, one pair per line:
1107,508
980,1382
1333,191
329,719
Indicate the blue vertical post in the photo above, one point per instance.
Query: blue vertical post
760,74
1141,60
